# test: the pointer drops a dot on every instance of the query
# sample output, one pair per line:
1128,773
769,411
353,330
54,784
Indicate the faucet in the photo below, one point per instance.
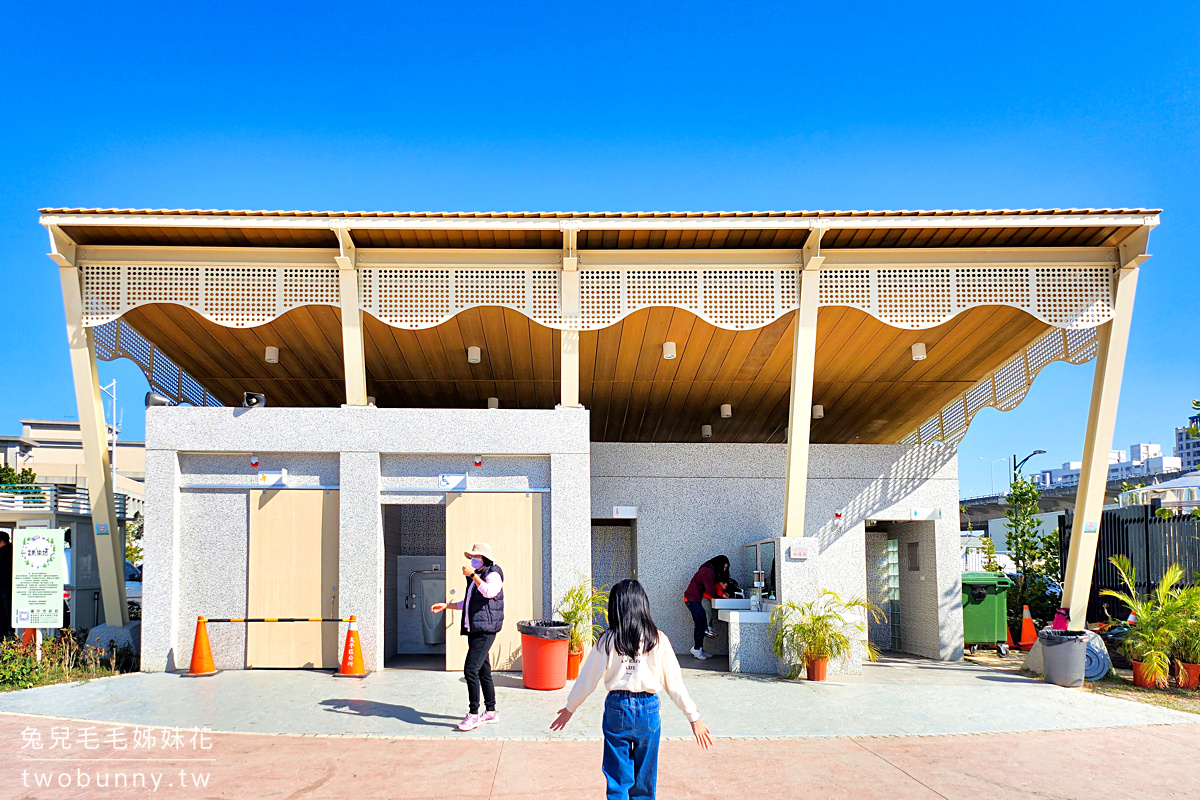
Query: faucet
410,599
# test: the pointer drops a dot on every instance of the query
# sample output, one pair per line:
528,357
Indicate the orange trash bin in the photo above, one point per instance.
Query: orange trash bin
543,654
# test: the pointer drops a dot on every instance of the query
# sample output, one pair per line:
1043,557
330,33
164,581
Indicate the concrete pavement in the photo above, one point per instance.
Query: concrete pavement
1143,761
897,696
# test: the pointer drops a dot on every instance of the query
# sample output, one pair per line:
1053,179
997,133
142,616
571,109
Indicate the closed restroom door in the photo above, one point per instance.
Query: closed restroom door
511,523
293,572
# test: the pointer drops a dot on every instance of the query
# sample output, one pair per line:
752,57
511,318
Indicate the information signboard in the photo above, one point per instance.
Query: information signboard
37,579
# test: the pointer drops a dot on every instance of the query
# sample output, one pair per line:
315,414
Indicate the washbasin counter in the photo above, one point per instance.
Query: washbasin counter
749,636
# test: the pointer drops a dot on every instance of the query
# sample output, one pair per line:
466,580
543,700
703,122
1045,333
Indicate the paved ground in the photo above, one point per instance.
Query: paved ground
894,697
1144,761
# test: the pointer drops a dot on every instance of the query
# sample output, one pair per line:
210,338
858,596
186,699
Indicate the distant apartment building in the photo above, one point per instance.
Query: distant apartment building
54,450
1187,449
1143,460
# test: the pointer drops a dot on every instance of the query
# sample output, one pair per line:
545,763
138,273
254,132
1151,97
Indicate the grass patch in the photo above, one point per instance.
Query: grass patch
65,659
1116,685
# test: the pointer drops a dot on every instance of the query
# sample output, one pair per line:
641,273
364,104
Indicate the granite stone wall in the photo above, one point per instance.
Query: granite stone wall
697,500
196,540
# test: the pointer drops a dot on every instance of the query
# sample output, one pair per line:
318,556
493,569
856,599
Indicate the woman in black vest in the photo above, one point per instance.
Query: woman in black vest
483,616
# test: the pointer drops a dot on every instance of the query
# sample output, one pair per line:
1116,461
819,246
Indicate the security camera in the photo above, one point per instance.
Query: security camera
253,400
153,399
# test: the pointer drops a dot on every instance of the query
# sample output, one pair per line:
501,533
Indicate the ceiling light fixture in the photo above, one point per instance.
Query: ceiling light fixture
818,411
918,351
473,354
272,354
706,431
668,350
726,411
493,402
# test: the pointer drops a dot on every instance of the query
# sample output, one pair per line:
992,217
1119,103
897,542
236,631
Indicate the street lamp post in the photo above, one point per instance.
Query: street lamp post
992,469
1018,464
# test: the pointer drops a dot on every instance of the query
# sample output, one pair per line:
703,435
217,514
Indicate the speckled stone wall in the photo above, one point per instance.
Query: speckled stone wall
196,540
697,500
160,546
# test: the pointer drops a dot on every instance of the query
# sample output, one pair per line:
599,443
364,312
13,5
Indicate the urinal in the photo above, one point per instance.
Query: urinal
433,590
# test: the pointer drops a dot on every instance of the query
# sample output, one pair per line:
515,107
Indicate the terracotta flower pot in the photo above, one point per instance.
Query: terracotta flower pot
1188,676
815,667
573,661
1140,678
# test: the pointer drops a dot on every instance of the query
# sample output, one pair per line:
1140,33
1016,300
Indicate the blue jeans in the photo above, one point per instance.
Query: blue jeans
631,732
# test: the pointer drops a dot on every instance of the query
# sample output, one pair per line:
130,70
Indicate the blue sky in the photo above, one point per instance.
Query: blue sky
554,106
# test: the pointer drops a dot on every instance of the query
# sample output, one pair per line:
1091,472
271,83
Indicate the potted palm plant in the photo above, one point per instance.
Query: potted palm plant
813,632
1187,649
580,608
1161,620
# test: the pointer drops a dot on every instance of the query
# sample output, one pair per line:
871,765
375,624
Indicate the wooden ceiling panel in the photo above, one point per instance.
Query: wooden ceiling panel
865,377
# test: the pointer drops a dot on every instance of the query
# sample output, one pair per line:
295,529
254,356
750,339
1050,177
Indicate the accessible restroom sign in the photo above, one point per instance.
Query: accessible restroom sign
37,577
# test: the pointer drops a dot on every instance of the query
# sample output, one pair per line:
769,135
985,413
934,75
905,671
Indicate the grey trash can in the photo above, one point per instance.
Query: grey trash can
1063,656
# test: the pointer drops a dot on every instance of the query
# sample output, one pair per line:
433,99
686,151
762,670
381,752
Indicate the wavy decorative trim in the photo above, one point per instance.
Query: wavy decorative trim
1006,387
1068,297
119,339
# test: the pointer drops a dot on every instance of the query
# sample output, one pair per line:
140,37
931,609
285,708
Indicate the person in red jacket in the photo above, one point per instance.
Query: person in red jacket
709,581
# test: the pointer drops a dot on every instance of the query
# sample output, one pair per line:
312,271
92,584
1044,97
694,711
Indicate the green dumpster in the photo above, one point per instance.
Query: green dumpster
985,609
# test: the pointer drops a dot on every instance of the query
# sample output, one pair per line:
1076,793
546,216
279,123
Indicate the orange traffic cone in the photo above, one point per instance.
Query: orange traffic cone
1008,630
202,660
352,661
1028,631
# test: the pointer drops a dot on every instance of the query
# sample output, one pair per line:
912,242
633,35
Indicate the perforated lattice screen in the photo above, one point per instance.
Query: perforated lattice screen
1071,297
118,339
1007,386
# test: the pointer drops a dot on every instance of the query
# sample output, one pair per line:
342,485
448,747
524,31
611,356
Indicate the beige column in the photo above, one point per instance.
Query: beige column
1111,342
804,351
353,352
570,369
110,557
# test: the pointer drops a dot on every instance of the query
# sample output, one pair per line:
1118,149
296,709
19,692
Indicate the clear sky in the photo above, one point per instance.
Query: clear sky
527,106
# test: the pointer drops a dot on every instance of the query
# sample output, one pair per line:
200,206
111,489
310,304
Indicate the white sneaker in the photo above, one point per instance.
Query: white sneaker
700,655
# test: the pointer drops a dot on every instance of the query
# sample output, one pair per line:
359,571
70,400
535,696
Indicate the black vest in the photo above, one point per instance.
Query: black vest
486,614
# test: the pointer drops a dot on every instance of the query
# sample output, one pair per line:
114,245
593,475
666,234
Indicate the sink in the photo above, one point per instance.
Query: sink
731,602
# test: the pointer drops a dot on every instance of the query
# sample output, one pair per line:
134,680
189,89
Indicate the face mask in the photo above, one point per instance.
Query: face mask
476,563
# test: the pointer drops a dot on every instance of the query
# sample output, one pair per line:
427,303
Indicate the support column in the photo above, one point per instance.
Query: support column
804,351
353,352
570,369
110,557
1112,340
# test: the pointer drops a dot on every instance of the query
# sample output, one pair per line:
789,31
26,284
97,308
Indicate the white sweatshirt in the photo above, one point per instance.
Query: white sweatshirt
654,672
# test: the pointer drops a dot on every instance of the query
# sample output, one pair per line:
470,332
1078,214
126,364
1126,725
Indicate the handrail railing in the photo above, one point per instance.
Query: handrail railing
55,499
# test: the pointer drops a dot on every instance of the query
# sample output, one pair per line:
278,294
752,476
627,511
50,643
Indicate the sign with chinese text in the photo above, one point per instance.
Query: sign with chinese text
37,579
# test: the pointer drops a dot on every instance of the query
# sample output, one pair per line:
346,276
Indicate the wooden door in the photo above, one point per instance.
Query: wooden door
293,572
512,524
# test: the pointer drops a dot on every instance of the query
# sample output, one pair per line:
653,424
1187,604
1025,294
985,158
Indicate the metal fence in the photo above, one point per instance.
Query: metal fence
1151,543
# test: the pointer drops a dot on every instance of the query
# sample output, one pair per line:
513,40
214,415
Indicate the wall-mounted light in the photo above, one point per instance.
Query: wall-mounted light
153,400
726,411
818,411
493,402
272,355
918,351
668,350
370,400
706,431
473,355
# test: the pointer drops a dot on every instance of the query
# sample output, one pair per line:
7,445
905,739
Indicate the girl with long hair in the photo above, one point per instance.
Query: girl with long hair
636,661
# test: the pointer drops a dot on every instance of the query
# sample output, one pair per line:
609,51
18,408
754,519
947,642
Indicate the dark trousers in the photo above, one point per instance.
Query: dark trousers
632,730
700,619
478,671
